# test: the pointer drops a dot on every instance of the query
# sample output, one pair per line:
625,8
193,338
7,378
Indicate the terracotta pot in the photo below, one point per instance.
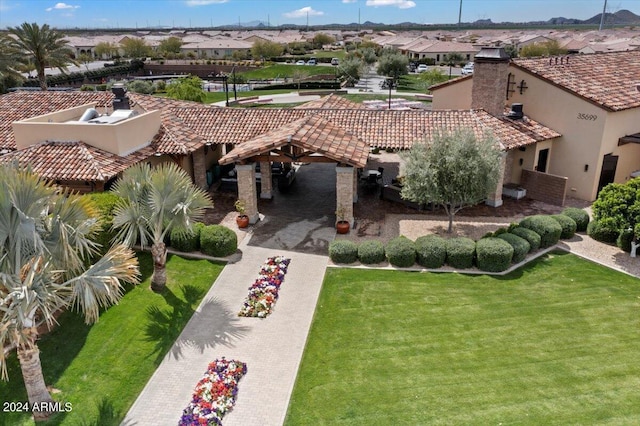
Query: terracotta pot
342,227
242,221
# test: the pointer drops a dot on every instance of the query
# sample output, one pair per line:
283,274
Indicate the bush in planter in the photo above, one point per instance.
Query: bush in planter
343,251
401,252
371,252
218,241
493,254
532,238
580,216
460,252
187,241
624,239
604,230
431,251
568,225
520,246
545,226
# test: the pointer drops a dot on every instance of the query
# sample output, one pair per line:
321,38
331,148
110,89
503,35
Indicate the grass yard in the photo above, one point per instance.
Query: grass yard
101,369
556,342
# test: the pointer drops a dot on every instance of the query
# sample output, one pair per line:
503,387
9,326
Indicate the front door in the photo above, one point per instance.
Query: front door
608,173
543,156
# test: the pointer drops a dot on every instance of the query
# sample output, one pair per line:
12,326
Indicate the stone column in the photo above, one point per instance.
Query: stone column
344,192
495,199
266,186
247,191
200,169
355,186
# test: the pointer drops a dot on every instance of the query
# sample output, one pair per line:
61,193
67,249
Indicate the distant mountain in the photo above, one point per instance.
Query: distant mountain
621,17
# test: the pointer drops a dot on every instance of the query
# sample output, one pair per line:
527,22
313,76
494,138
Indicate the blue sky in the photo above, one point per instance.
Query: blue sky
198,13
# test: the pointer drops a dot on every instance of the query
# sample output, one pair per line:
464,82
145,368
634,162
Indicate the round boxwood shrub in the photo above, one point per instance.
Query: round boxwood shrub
532,238
371,252
624,239
218,241
493,254
187,241
431,251
343,251
520,246
460,252
580,216
545,226
568,225
604,230
401,252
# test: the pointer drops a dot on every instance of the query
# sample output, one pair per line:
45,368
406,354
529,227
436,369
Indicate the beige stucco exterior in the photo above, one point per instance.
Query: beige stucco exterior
588,131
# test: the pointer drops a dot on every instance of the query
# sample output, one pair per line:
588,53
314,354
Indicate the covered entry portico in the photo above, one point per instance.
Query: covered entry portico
307,140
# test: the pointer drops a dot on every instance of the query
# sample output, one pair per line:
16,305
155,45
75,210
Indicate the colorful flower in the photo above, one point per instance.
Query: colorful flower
263,293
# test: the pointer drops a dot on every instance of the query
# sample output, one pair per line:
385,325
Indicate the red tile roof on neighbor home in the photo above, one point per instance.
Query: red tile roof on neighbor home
609,80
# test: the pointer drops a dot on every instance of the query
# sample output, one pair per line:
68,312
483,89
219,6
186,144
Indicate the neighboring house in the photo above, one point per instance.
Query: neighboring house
216,48
592,100
439,51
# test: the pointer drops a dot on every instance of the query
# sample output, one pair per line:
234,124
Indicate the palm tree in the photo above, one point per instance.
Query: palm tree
44,45
10,59
44,250
155,201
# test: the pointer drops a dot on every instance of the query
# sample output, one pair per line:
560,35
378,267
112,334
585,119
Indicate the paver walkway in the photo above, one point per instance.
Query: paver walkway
271,347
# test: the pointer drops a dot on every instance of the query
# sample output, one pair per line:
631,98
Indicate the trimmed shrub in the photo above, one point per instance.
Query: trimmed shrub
624,239
218,241
520,246
187,241
371,252
604,230
493,254
545,226
343,251
580,216
431,251
532,238
401,252
104,203
568,225
460,252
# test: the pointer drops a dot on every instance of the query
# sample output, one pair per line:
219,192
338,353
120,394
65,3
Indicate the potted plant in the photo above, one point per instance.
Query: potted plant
342,225
242,220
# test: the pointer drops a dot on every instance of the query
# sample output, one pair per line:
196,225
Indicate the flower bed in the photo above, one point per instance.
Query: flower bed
263,293
215,393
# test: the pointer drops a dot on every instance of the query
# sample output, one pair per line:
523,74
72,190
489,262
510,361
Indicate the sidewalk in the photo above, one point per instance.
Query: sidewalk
271,347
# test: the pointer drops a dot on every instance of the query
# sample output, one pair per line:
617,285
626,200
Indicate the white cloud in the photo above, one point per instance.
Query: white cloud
62,6
302,13
401,4
349,1
204,2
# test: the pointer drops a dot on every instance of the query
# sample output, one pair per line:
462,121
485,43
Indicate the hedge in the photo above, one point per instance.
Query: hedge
568,225
218,241
187,241
624,239
520,246
493,254
532,238
545,226
431,251
461,252
371,252
604,230
343,251
580,216
401,252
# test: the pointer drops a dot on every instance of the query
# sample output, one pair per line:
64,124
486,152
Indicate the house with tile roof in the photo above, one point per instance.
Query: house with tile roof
593,101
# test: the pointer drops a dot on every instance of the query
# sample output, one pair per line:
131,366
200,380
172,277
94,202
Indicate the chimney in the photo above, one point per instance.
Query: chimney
121,101
489,90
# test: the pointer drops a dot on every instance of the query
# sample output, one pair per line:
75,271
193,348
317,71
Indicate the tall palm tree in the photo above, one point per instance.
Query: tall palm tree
44,45
10,60
44,250
155,201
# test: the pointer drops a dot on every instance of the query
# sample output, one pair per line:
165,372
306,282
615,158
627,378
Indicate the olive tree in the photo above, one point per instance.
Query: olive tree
266,49
454,170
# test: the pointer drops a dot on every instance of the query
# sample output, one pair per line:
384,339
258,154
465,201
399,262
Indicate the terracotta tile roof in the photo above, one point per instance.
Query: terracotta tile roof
332,101
608,80
74,161
312,133
21,105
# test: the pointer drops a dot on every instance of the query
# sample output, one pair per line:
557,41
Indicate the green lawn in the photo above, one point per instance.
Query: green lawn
556,342
101,369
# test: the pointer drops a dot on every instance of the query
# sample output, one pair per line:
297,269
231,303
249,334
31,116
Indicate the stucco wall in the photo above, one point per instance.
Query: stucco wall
621,124
453,96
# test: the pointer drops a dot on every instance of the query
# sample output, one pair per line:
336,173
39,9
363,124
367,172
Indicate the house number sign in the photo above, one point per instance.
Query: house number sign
589,117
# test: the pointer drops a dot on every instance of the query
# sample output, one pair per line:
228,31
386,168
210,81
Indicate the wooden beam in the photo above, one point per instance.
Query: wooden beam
286,159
